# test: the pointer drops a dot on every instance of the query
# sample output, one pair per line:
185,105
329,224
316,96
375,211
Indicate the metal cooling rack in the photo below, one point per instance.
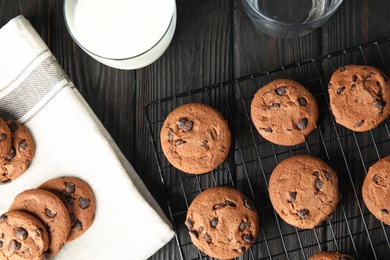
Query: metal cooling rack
351,229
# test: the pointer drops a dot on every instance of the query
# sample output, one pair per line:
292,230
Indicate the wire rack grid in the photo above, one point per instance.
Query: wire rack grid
351,229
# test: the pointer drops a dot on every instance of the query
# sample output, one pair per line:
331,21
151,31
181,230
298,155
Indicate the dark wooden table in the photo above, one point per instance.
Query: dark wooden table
214,42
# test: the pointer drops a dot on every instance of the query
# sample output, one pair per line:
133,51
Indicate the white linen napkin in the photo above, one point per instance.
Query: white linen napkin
71,141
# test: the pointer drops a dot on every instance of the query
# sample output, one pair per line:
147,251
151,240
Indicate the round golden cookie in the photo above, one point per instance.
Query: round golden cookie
359,97
22,236
49,209
303,190
222,222
330,255
376,190
79,200
195,138
20,154
284,112
5,146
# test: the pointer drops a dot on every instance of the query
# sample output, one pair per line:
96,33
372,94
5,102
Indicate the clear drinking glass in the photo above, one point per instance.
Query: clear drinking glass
289,18
123,34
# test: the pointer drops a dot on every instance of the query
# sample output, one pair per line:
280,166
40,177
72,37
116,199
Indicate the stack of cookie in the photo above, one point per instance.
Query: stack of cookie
40,221
17,150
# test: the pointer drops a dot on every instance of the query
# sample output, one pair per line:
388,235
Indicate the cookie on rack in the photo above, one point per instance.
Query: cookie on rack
303,190
330,255
19,155
359,97
376,190
195,138
79,200
49,209
222,222
23,236
284,112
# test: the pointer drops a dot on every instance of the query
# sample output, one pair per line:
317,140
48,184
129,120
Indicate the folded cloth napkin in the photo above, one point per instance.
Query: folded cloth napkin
71,141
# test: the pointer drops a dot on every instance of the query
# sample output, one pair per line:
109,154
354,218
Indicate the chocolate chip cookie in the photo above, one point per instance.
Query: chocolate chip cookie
20,154
79,200
195,138
49,209
222,222
359,97
284,112
22,236
5,143
303,190
376,190
330,255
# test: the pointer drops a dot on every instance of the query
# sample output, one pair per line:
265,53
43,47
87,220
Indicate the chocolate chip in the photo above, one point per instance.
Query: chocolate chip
11,154
179,142
248,238
181,123
3,137
45,256
243,226
241,249
379,104
319,184
70,187
248,204
330,85
353,86
343,68
84,202
207,238
25,251
380,92
302,124
68,199
190,223
170,135
378,83
384,211
218,206
200,229
50,214
23,145
77,225
229,203
328,175
14,245
214,222
204,143
184,124
293,196
316,173
222,148
340,90
276,105
1,244
267,130
3,217
21,233
13,127
281,90
354,78
193,233
359,123
302,101
72,217
303,213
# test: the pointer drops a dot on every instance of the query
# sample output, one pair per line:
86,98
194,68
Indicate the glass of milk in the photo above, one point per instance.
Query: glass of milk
123,34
